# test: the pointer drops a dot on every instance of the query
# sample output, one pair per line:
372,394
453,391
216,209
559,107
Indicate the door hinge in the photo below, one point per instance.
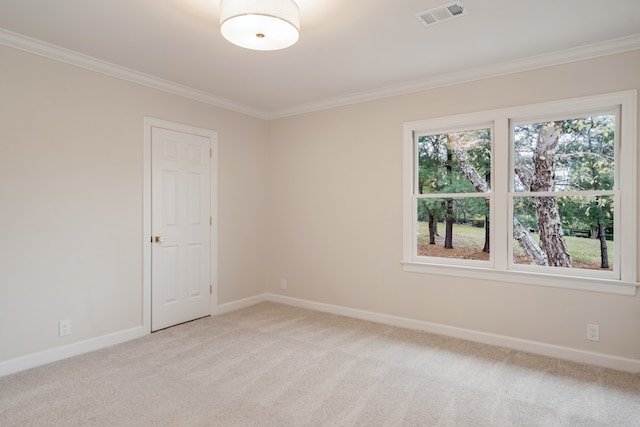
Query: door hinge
210,289
210,152
210,220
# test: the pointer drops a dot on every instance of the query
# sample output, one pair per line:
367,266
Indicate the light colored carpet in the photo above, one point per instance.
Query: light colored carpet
275,365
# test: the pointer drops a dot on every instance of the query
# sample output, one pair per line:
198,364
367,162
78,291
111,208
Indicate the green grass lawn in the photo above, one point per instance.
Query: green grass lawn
582,250
463,235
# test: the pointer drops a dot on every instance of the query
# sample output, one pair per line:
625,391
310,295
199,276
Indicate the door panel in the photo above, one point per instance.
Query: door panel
181,247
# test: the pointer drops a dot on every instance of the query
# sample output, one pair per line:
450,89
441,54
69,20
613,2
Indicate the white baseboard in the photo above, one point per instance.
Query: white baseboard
598,359
238,304
48,356
559,352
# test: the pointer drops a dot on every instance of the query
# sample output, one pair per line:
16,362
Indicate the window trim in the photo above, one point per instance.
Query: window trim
498,268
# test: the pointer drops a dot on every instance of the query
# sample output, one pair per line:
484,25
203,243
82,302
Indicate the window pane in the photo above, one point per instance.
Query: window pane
456,162
453,228
573,154
574,232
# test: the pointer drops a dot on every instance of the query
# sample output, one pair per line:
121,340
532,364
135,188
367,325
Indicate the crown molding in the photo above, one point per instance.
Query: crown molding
559,57
57,53
38,47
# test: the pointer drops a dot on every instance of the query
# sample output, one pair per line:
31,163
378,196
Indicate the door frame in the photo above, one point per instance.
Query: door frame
148,124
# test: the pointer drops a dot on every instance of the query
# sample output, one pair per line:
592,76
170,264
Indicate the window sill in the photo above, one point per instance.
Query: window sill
526,278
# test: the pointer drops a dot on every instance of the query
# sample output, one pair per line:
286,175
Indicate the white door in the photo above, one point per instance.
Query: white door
180,227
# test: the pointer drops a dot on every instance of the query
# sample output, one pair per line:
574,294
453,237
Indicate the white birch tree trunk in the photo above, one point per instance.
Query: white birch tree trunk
549,223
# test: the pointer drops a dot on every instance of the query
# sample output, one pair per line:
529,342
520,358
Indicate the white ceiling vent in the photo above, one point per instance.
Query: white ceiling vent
440,14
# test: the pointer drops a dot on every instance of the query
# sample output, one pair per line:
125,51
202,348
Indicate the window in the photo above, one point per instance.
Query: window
453,190
540,194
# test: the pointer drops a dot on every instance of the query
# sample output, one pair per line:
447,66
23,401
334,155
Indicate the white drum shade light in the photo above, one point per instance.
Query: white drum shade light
260,24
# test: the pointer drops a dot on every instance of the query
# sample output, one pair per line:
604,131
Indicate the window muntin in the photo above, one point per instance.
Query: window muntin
572,188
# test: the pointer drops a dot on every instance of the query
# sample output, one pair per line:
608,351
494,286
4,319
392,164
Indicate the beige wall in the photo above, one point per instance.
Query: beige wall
337,227
71,171
315,199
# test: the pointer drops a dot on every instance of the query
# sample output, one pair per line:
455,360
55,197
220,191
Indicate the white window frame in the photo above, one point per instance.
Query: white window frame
500,267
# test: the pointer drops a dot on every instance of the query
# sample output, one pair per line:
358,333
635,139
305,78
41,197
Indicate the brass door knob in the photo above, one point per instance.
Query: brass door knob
158,239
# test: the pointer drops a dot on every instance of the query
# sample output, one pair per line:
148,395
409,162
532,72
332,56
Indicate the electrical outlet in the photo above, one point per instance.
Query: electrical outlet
64,327
593,332
283,283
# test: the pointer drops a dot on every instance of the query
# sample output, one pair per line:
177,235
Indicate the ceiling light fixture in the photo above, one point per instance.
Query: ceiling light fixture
260,24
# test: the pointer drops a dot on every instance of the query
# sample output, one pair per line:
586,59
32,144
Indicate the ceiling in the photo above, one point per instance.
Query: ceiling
348,50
